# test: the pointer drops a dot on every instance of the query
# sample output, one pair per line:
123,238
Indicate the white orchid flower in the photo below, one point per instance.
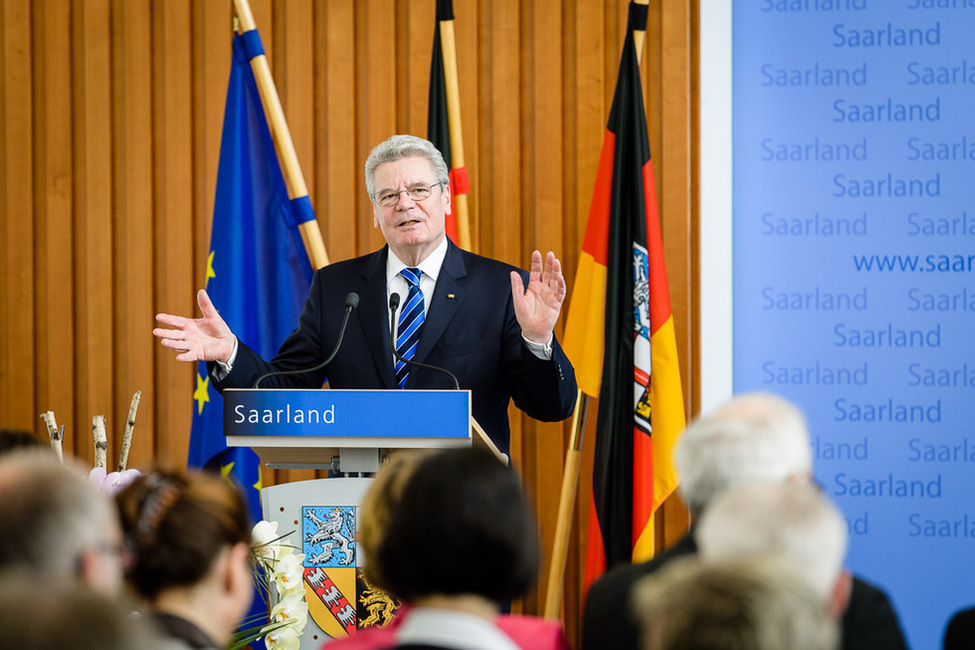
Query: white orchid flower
288,572
285,638
292,607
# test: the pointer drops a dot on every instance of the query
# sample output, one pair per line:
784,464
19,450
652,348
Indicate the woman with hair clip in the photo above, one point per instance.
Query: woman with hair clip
189,534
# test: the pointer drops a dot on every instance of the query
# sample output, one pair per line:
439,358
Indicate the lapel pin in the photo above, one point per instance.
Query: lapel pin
450,296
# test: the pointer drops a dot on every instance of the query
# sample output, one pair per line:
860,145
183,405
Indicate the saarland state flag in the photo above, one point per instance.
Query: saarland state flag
620,336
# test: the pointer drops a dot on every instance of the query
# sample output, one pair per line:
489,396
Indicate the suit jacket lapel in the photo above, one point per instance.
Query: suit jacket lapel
374,315
447,299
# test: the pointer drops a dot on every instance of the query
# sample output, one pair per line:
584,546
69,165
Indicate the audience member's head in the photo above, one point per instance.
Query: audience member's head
14,439
462,527
960,632
378,505
190,534
754,437
55,525
790,520
754,603
52,616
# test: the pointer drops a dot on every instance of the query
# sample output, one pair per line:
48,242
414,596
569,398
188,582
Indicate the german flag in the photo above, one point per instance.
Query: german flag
620,334
443,120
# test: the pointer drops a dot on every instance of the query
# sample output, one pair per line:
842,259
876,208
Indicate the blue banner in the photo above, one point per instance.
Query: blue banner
854,273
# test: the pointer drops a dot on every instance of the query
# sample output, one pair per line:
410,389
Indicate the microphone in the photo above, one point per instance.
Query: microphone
351,302
394,299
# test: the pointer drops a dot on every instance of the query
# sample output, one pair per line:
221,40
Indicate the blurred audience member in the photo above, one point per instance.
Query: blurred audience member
52,616
960,632
755,437
190,538
755,603
790,520
379,504
55,525
451,535
14,439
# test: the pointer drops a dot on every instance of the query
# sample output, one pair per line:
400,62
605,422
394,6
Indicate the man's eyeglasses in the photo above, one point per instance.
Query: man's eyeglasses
119,551
419,192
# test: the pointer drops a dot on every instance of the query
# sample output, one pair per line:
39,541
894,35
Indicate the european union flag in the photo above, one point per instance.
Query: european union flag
257,262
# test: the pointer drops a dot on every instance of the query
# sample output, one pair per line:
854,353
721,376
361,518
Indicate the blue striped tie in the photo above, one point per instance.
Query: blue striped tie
410,319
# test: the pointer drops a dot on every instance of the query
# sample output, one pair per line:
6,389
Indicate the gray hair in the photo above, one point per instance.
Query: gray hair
49,515
753,603
404,146
753,437
790,520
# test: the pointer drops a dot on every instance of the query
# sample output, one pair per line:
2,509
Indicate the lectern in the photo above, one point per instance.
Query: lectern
347,431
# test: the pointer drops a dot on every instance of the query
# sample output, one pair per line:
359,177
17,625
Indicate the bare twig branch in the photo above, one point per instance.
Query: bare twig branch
101,441
56,435
123,457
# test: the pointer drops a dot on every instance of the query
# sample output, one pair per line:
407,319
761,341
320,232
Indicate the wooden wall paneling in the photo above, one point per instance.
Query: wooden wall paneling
131,100
466,30
675,210
173,212
53,177
296,87
294,78
675,107
586,113
212,32
264,18
17,257
338,175
541,228
509,205
616,12
414,47
375,36
694,290
94,298
212,36
498,182
541,112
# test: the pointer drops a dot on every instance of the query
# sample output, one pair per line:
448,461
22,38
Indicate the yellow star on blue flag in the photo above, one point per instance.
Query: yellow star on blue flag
210,272
201,394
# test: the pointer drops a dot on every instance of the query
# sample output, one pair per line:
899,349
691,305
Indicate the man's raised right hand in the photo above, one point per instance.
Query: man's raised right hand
197,339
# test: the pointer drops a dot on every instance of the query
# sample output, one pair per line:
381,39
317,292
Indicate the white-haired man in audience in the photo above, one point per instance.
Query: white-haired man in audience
790,520
755,603
754,438
55,525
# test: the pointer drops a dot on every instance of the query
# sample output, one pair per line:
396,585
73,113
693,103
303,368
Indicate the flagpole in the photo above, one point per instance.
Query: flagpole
449,46
570,481
570,473
639,34
311,235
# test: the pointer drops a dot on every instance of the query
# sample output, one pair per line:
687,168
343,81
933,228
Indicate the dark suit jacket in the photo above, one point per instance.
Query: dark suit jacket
470,329
869,622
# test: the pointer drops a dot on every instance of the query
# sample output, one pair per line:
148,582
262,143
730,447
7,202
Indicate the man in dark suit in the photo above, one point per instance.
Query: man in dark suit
753,438
476,316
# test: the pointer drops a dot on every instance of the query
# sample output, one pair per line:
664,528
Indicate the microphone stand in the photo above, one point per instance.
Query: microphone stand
394,300
351,302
